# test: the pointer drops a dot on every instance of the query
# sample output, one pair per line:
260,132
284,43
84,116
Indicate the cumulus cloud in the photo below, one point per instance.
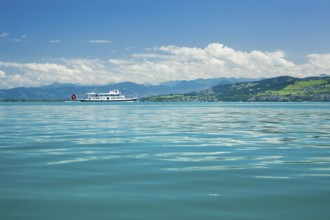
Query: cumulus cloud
215,60
38,67
34,74
100,41
81,71
164,63
2,74
317,64
321,61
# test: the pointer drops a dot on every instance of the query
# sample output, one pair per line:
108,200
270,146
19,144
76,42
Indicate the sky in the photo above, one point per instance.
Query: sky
95,42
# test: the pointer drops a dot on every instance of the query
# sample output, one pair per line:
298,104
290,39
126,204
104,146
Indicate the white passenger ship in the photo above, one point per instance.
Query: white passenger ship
111,96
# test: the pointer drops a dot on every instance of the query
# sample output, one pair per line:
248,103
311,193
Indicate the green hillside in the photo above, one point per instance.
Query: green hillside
275,89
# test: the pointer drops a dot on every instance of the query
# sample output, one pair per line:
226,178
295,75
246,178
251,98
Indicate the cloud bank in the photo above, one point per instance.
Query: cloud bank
161,64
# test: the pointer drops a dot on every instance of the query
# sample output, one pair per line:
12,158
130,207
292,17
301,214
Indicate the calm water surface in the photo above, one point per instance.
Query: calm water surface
82,161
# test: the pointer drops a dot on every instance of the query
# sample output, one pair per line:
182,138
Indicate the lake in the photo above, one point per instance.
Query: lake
71,160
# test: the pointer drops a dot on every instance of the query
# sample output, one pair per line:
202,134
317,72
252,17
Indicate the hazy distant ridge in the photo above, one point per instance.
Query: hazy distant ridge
58,91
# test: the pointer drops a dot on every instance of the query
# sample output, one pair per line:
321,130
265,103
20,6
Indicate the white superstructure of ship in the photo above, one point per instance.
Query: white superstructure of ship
111,96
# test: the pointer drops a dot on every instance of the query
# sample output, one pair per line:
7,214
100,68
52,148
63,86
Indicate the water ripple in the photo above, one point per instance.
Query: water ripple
161,161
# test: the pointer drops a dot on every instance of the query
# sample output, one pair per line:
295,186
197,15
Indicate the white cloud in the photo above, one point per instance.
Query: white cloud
55,41
317,64
2,74
319,60
22,38
82,71
120,62
39,67
100,41
215,60
34,74
163,64
4,34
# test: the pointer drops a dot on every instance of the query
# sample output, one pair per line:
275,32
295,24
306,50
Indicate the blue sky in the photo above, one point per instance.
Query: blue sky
151,41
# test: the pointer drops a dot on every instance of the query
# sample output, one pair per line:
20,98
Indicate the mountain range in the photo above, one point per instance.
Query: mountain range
282,88
58,91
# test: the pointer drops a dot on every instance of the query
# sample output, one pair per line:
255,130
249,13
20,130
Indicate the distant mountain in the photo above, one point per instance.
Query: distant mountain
58,91
283,88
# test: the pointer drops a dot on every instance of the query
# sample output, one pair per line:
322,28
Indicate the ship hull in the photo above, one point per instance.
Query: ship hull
113,100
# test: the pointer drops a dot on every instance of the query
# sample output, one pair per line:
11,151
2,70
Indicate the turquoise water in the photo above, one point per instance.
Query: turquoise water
70,160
